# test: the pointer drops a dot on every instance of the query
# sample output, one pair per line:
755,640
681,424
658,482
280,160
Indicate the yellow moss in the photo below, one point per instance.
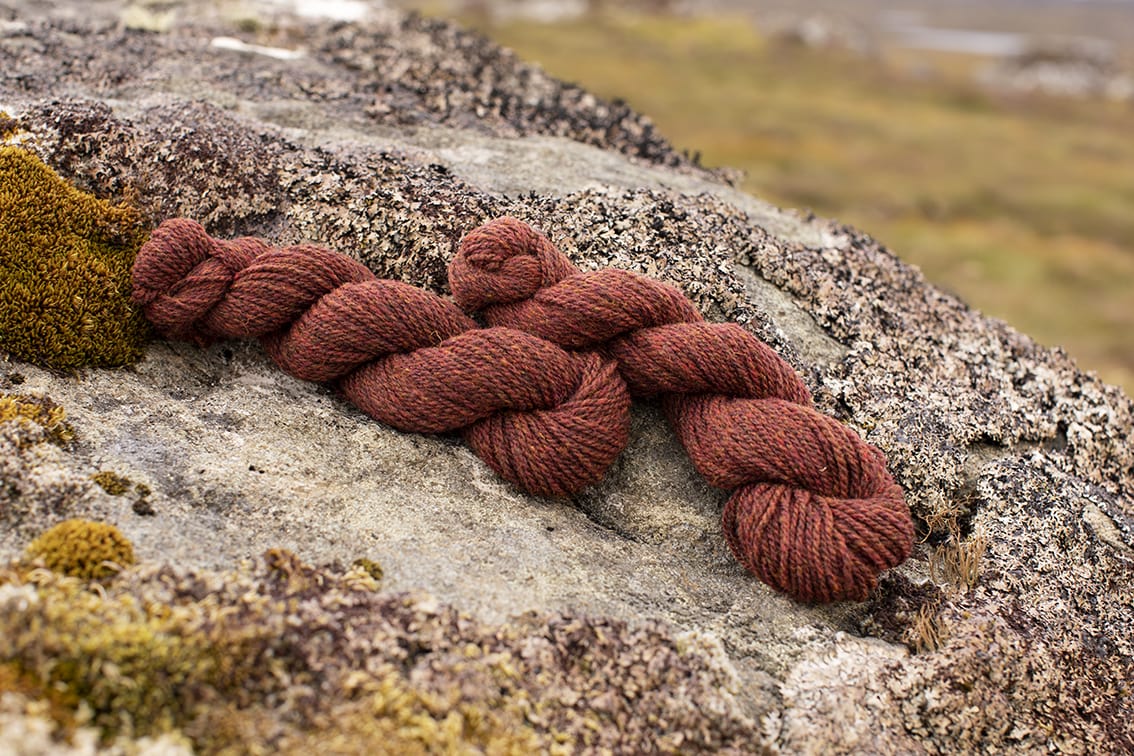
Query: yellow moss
203,668
14,680
370,567
65,260
387,716
9,126
139,669
111,482
40,411
83,549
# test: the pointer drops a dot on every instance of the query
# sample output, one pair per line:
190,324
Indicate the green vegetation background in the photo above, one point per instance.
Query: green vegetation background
1022,206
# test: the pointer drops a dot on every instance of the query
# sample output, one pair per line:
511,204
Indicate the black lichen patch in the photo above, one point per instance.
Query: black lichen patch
143,507
65,260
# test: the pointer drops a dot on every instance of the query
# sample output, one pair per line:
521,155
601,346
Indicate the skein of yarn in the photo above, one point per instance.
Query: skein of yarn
548,420
814,513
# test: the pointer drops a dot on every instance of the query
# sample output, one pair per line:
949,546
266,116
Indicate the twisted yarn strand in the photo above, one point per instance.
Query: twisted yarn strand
814,512
548,420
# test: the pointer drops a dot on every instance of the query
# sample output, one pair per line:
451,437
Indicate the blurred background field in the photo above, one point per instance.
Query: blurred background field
991,144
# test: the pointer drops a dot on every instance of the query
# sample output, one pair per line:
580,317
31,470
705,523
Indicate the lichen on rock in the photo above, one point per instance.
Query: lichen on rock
64,270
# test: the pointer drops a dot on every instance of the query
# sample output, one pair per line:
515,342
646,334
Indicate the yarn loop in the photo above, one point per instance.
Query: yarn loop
814,512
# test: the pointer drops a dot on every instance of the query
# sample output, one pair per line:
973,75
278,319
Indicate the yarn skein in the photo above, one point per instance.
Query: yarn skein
547,420
814,513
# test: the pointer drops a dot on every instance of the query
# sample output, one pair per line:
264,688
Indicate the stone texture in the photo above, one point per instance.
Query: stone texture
388,139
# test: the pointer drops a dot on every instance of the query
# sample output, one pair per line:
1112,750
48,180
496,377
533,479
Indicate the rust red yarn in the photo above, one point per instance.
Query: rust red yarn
548,420
814,513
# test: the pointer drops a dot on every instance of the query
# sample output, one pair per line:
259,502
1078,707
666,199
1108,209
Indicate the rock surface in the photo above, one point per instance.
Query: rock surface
387,139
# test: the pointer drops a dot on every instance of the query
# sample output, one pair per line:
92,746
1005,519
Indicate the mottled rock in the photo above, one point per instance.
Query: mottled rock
388,138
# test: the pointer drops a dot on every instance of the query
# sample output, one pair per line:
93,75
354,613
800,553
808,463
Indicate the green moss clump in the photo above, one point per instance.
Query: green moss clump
65,259
43,412
83,549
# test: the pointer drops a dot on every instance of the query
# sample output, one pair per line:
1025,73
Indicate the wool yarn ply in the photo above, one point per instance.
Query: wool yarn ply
814,512
548,420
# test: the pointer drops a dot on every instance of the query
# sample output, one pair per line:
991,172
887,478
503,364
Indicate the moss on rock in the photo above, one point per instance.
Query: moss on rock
83,549
286,657
8,126
65,260
111,482
370,567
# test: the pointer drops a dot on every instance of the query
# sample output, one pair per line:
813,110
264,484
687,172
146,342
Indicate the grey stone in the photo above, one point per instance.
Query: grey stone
389,138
